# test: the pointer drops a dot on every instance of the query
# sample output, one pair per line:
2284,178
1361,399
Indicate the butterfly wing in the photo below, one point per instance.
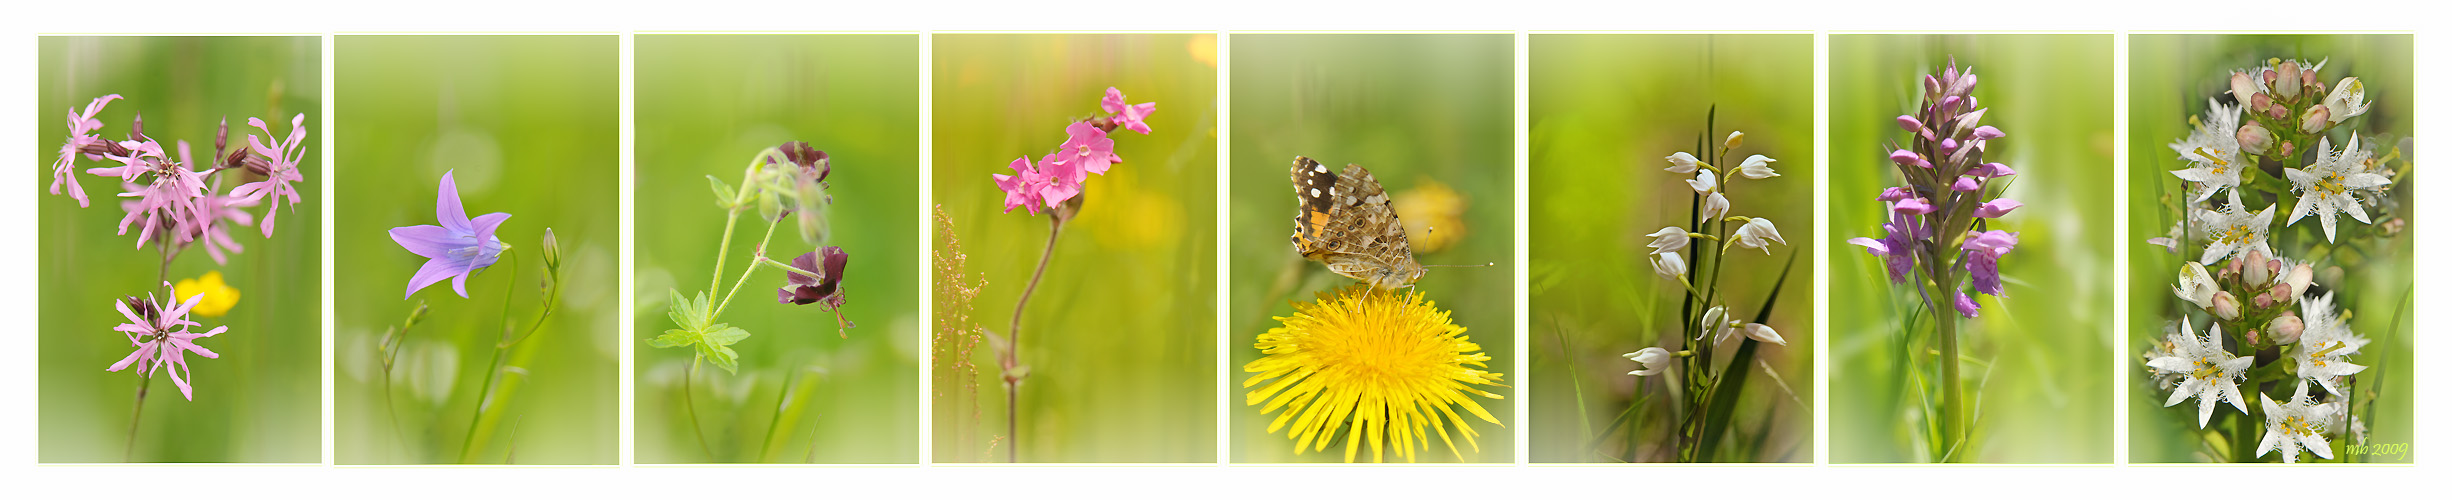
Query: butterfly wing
1314,188
1363,238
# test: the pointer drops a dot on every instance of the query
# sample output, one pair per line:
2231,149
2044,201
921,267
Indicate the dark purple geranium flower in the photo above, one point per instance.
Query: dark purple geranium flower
827,287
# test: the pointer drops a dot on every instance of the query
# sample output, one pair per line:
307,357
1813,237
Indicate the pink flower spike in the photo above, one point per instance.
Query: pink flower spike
1022,188
1896,194
1130,116
1996,208
1918,206
1088,146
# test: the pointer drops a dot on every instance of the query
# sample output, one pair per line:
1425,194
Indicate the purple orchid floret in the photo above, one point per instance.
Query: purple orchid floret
162,338
1966,305
455,249
1996,208
1918,206
1983,256
1896,194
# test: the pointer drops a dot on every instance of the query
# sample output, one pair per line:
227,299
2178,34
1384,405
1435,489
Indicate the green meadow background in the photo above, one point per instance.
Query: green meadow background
1120,337
2037,374
2170,77
261,401
1414,109
706,105
1605,110
530,126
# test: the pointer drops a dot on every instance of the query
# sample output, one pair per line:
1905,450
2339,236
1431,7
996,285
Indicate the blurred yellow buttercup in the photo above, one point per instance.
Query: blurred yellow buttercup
219,297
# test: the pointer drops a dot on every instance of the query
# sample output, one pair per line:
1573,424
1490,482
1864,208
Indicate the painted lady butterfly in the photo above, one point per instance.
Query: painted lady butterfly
1346,221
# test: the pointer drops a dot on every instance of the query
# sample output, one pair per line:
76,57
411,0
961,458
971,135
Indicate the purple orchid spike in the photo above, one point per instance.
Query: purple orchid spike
455,249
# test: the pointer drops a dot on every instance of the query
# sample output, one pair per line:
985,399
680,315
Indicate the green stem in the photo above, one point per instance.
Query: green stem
468,452
1013,349
690,405
745,273
137,416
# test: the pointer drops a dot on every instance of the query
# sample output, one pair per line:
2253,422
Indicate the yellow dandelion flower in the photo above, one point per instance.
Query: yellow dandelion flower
218,296
1391,364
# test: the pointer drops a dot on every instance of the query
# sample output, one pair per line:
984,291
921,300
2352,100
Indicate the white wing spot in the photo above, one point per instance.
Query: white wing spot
1319,168
1315,192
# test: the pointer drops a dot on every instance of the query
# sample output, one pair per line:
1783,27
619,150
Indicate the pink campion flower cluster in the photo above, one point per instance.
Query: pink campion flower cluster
179,198
1087,149
161,337
1948,201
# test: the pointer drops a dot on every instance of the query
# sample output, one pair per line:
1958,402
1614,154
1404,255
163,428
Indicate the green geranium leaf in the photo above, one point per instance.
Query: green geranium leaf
673,338
724,194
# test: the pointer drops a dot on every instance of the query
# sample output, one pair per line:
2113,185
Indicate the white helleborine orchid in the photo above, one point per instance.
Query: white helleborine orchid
2212,151
1668,240
1682,163
2325,345
1715,206
1654,360
2196,286
2295,425
1761,333
1758,233
2349,98
1704,182
1757,167
2326,189
2208,372
1670,266
2234,230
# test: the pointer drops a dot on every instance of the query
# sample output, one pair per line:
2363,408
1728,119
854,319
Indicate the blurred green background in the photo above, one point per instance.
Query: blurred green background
2041,397
2170,77
1416,110
1605,110
262,400
529,124
707,104
1120,337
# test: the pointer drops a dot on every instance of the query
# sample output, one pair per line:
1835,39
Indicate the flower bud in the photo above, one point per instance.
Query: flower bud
2285,87
2226,306
1681,163
1910,123
1908,158
2307,77
2259,102
1735,138
2300,277
2315,119
2254,337
2286,328
1670,266
2253,138
2242,86
1949,145
1987,132
553,250
2256,271
2287,148
1896,194
221,137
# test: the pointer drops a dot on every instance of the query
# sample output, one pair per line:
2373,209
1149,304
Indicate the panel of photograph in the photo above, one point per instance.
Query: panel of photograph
1075,273
180,224
777,315
1672,266
477,238
1970,289
2271,267
1361,162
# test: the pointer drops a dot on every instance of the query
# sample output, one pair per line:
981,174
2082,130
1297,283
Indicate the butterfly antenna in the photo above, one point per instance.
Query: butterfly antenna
1485,264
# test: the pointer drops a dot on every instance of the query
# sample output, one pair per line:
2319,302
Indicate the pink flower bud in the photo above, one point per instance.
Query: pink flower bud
2253,138
2287,148
1908,158
2301,276
2316,119
2242,85
1910,123
1896,194
2254,337
2226,306
2308,78
2262,300
1948,145
1932,86
2256,271
1966,184
2286,328
2285,87
1918,206
1996,208
2260,102
2278,111
1986,133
